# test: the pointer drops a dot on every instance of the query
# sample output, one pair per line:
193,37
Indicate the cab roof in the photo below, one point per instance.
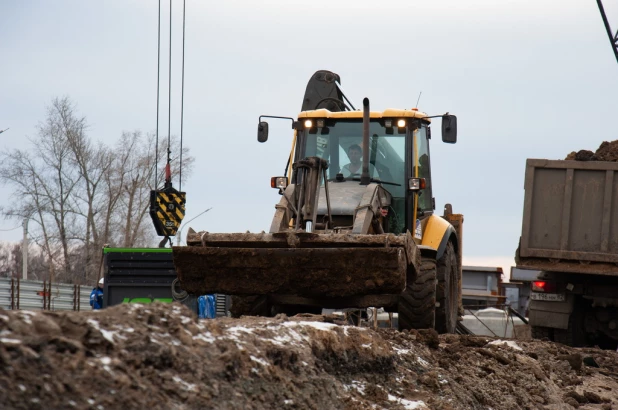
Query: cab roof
388,113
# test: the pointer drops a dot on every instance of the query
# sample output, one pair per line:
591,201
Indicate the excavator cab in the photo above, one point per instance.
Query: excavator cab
348,232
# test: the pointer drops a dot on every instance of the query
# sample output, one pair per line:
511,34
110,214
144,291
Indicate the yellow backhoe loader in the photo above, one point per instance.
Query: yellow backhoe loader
355,226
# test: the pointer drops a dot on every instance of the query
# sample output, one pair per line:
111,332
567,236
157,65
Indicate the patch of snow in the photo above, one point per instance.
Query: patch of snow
358,386
401,351
238,329
6,341
22,387
305,363
254,370
25,316
105,360
281,340
288,401
366,345
206,337
184,384
509,343
72,403
260,361
318,325
4,318
90,401
109,335
408,404
184,320
34,400
422,362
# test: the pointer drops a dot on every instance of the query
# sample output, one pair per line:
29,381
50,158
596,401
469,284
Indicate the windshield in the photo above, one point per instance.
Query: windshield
341,144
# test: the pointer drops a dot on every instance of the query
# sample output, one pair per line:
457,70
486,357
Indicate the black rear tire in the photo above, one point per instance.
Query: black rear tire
417,304
540,332
447,291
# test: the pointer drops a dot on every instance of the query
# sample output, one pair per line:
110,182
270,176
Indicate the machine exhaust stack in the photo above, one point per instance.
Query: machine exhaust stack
365,178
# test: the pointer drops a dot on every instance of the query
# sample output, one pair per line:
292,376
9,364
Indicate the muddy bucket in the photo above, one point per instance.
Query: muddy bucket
301,264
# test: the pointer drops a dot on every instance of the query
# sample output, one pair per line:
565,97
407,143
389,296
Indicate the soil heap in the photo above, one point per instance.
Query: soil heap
161,356
607,151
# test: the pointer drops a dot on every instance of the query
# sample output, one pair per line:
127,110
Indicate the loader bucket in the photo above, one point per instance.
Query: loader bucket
296,263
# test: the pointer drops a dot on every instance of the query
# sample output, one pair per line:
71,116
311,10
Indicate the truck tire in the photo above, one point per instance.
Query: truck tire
447,291
250,306
540,332
417,304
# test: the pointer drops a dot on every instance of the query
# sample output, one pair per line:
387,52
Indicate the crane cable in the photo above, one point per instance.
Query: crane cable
168,172
182,95
168,175
167,205
158,81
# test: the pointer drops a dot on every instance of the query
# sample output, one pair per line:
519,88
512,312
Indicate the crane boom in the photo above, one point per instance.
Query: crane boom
613,38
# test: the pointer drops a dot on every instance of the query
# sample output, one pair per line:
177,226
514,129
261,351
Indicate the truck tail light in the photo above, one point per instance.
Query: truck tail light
544,286
538,286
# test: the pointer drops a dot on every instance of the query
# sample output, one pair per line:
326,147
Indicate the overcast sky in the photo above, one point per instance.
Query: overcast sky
526,78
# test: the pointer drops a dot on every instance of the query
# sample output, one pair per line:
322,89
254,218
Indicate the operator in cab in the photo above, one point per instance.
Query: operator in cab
355,167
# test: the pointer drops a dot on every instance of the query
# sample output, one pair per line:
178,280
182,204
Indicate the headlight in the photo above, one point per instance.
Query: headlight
416,184
279,182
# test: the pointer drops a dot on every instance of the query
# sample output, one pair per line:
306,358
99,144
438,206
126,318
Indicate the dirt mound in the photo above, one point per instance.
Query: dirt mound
607,151
161,357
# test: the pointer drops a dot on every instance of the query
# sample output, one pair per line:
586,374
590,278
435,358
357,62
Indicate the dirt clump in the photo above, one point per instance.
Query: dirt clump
161,356
607,151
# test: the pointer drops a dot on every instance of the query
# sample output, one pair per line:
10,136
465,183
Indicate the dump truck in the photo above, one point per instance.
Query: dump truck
570,235
355,227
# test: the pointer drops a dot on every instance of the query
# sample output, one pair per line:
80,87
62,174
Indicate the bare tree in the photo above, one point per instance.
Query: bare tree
80,195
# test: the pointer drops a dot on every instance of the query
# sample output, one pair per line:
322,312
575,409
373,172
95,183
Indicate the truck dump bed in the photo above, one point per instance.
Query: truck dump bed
570,218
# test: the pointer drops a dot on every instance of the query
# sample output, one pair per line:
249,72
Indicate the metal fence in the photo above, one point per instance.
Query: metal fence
42,295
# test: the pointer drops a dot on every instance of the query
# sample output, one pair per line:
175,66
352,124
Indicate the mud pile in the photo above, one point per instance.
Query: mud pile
607,151
161,357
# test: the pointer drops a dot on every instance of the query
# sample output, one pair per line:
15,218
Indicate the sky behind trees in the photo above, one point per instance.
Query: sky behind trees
527,79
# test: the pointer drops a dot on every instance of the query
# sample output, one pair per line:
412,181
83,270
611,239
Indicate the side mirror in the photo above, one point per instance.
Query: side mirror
263,131
449,129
